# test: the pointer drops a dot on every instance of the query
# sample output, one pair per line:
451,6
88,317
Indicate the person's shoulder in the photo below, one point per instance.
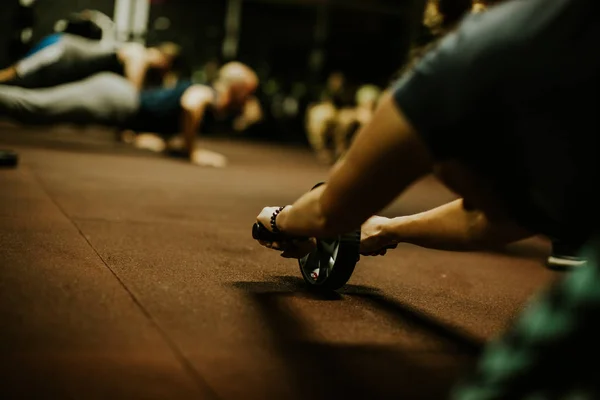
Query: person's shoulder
131,50
194,95
190,86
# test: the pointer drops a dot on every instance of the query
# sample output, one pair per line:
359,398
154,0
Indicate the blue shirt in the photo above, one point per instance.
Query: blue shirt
44,42
159,110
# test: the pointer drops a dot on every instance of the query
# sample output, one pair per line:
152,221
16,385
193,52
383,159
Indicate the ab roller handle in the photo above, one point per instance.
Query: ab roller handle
259,232
330,264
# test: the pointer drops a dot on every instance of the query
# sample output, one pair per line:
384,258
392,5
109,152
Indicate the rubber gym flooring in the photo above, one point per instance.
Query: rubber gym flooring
129,275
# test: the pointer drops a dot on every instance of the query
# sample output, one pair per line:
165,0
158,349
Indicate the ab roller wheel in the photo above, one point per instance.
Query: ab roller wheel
330,265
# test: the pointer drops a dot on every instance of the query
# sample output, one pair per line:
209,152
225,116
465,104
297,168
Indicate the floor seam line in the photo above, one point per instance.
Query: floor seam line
185,363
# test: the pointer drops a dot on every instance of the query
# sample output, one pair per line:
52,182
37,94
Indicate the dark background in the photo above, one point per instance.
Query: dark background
366,40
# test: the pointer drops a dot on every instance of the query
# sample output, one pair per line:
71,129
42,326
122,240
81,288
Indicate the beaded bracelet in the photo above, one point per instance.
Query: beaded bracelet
274,227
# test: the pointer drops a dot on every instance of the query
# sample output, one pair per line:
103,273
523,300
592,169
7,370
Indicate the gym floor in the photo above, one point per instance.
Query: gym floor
128,275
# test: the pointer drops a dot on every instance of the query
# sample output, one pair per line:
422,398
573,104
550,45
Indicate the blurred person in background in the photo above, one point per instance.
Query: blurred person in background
82,24
68,57
440,18
159,119
349,120
235,85
90,24
320,119
240,120
250,114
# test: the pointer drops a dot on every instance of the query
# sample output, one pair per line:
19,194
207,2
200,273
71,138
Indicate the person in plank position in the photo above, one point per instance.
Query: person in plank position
112,100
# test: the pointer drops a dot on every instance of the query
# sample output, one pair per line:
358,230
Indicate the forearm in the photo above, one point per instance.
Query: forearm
305,217
135,72
135,64
190,125
385,158
451,227
193,105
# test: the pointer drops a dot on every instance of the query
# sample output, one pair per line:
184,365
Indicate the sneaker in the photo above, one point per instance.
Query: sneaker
565,256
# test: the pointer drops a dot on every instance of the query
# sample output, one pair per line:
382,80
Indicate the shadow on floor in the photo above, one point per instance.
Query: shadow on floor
325,370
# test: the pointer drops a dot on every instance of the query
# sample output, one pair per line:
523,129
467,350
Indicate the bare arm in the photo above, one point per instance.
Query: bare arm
193,104
135,63
385,158
251,115
7,74
451,227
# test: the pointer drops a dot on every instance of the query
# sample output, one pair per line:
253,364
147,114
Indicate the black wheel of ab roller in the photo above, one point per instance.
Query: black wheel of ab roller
330,265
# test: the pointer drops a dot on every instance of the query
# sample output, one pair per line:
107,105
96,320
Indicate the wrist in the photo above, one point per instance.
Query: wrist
280,219
395,230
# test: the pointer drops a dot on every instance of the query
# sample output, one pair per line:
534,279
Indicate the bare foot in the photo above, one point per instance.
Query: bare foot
7,74
150,142
207,158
